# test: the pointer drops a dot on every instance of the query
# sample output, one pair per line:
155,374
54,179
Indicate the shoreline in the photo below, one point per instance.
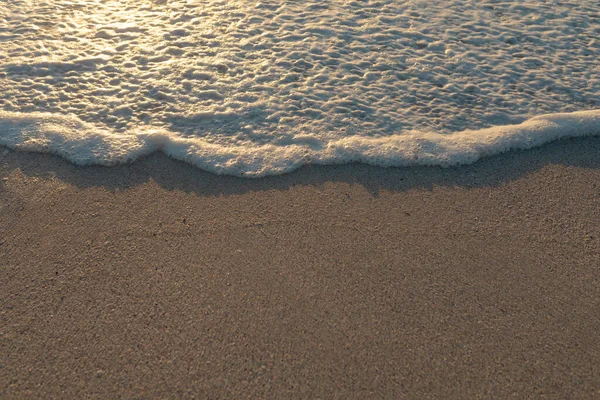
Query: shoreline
84,144
159,279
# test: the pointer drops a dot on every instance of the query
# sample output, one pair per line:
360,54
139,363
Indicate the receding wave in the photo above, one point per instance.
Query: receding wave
257,88
83,144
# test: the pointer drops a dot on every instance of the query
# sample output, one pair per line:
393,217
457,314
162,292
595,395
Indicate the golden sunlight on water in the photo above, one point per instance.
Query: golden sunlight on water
126,25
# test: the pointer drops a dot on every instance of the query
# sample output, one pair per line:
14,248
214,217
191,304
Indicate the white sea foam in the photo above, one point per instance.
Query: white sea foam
83,144
253,89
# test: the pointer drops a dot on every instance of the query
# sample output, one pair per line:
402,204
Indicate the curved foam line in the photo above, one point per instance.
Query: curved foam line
83,144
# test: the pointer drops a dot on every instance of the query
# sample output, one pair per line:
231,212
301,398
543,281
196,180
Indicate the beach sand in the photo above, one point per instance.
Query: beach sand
159,280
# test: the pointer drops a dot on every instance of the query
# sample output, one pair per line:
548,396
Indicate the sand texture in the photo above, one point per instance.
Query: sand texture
158,280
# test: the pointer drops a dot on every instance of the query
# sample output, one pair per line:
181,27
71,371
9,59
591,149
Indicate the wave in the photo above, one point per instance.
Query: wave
83,143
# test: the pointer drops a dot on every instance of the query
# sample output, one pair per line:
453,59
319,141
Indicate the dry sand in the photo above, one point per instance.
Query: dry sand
158,280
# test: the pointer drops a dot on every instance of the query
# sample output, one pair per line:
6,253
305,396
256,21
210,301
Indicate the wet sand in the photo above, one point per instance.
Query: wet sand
158,280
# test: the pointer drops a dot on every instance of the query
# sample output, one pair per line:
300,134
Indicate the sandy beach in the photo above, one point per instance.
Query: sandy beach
158,280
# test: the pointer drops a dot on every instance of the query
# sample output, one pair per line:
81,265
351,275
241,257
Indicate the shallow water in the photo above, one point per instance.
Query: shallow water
257,88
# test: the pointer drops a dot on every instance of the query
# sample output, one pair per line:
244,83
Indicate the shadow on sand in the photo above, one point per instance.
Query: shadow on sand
176,175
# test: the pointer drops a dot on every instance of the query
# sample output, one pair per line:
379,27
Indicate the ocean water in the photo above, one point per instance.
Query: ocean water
256,88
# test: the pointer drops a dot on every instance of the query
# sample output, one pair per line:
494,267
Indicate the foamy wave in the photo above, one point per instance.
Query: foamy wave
253,89
84,144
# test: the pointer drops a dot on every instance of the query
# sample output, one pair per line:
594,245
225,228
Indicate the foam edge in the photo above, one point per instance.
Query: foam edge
83,143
